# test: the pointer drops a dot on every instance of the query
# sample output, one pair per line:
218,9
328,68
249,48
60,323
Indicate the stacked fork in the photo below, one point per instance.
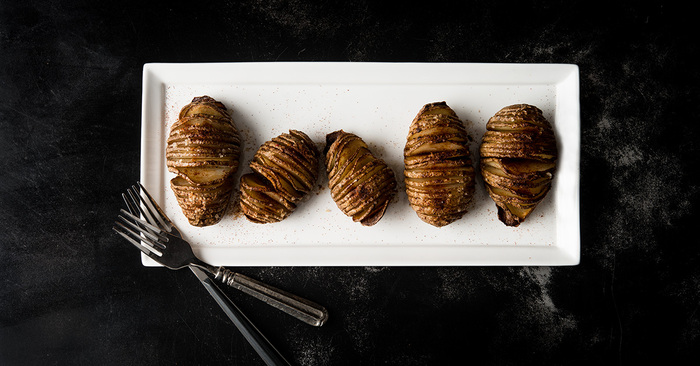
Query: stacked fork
146,226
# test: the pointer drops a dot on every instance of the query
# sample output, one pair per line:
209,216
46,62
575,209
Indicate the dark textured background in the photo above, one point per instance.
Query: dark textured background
72,293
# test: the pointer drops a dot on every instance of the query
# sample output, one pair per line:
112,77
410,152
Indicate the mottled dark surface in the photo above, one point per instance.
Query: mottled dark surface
72,293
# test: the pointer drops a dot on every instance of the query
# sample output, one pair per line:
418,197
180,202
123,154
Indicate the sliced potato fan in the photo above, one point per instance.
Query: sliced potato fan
361,185
518,158
203,149
285,169
438,173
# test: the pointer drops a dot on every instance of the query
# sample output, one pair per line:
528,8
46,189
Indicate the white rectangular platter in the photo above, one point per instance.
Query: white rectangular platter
376,101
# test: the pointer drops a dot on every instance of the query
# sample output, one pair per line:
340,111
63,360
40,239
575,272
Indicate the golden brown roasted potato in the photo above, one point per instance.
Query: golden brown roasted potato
203,149
439,174
361,184
518,158
285,169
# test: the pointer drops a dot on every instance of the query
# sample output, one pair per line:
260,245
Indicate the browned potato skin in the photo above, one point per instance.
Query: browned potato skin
203,149
518,159
361,185
285,170
439,173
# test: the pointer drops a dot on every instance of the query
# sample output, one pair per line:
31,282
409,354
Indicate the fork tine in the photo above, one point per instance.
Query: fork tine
141,221
149,234
132,241
155,209
129,204
134,209
137,235
130,235
136,200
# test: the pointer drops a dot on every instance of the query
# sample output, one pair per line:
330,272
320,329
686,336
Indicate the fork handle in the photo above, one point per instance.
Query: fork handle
262,346
300,308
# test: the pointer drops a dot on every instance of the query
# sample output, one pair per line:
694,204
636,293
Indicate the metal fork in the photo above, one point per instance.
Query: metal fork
157,237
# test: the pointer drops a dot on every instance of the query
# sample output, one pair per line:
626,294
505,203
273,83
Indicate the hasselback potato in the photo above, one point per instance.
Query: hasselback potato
285,169
439,173
518,158
203,149
361,185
